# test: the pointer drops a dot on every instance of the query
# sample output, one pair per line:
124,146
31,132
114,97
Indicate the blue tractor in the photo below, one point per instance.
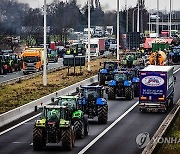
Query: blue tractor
121,86
175,55
107,72
135,80
92,102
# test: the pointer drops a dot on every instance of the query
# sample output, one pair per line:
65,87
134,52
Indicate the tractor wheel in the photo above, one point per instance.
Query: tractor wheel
101,79
86,126
103,114
128,93
111,93
79,129
38,139
67,138
136,89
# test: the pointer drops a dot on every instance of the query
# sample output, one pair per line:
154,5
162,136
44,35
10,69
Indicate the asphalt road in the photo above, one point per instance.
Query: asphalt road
51,65
118,139
13,75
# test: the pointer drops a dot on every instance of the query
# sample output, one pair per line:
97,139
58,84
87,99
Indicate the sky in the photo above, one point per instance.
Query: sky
111,4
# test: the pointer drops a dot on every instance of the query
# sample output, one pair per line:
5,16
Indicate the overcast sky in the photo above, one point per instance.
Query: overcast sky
111,4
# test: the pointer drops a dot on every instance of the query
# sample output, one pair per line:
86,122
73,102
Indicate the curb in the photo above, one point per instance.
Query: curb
21,111
153,145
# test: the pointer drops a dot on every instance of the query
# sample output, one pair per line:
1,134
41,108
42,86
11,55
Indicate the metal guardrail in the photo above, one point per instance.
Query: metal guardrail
21,111
153,145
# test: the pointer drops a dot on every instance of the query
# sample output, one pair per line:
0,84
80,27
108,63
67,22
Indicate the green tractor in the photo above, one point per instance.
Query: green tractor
131,59
55,126
79,120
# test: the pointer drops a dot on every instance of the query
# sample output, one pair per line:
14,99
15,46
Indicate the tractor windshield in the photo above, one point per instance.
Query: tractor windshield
91,93
109,66
70,102
120,77
52,114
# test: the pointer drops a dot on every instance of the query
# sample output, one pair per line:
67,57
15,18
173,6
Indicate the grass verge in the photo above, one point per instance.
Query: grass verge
18,94
174,132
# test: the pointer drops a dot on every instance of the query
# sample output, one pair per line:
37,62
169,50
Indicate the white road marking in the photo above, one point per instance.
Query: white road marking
107,129
9,129
112,125
18,142
176,71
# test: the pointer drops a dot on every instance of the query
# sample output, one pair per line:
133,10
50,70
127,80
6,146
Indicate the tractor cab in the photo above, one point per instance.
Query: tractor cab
106,73
92,102
110,66
54,113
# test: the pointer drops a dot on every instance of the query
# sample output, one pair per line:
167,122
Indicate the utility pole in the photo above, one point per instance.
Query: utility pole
126,16
157,19
138,18
45,50
170,17
89,24
117,29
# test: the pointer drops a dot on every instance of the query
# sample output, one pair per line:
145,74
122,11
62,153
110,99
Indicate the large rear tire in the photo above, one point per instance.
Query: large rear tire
86,126
79,129
38,139
101,79
103,114
67,138
111,93
128,93
136,89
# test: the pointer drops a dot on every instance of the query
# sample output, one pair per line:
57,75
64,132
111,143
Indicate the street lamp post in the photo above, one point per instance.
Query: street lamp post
138,18
170,18
89,24
126,16
45,50
157,19
117,29
133,18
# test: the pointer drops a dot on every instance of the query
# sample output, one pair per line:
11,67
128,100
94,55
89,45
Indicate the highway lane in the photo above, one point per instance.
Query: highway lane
13,75
51,65
119,139
122,137
20,139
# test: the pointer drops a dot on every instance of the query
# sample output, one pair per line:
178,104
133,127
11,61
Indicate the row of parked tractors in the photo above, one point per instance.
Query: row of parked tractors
9,63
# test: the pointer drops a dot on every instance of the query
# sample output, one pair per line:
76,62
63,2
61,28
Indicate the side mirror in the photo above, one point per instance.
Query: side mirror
52,99
77,90
35,109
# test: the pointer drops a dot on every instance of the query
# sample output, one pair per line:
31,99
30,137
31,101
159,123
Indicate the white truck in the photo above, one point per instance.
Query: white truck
97,47
85,33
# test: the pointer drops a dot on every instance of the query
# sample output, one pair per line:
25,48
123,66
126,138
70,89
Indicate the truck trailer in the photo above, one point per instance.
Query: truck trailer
156,88
97,47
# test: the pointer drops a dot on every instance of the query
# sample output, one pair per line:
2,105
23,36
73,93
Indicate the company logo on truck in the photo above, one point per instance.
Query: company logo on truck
153,81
